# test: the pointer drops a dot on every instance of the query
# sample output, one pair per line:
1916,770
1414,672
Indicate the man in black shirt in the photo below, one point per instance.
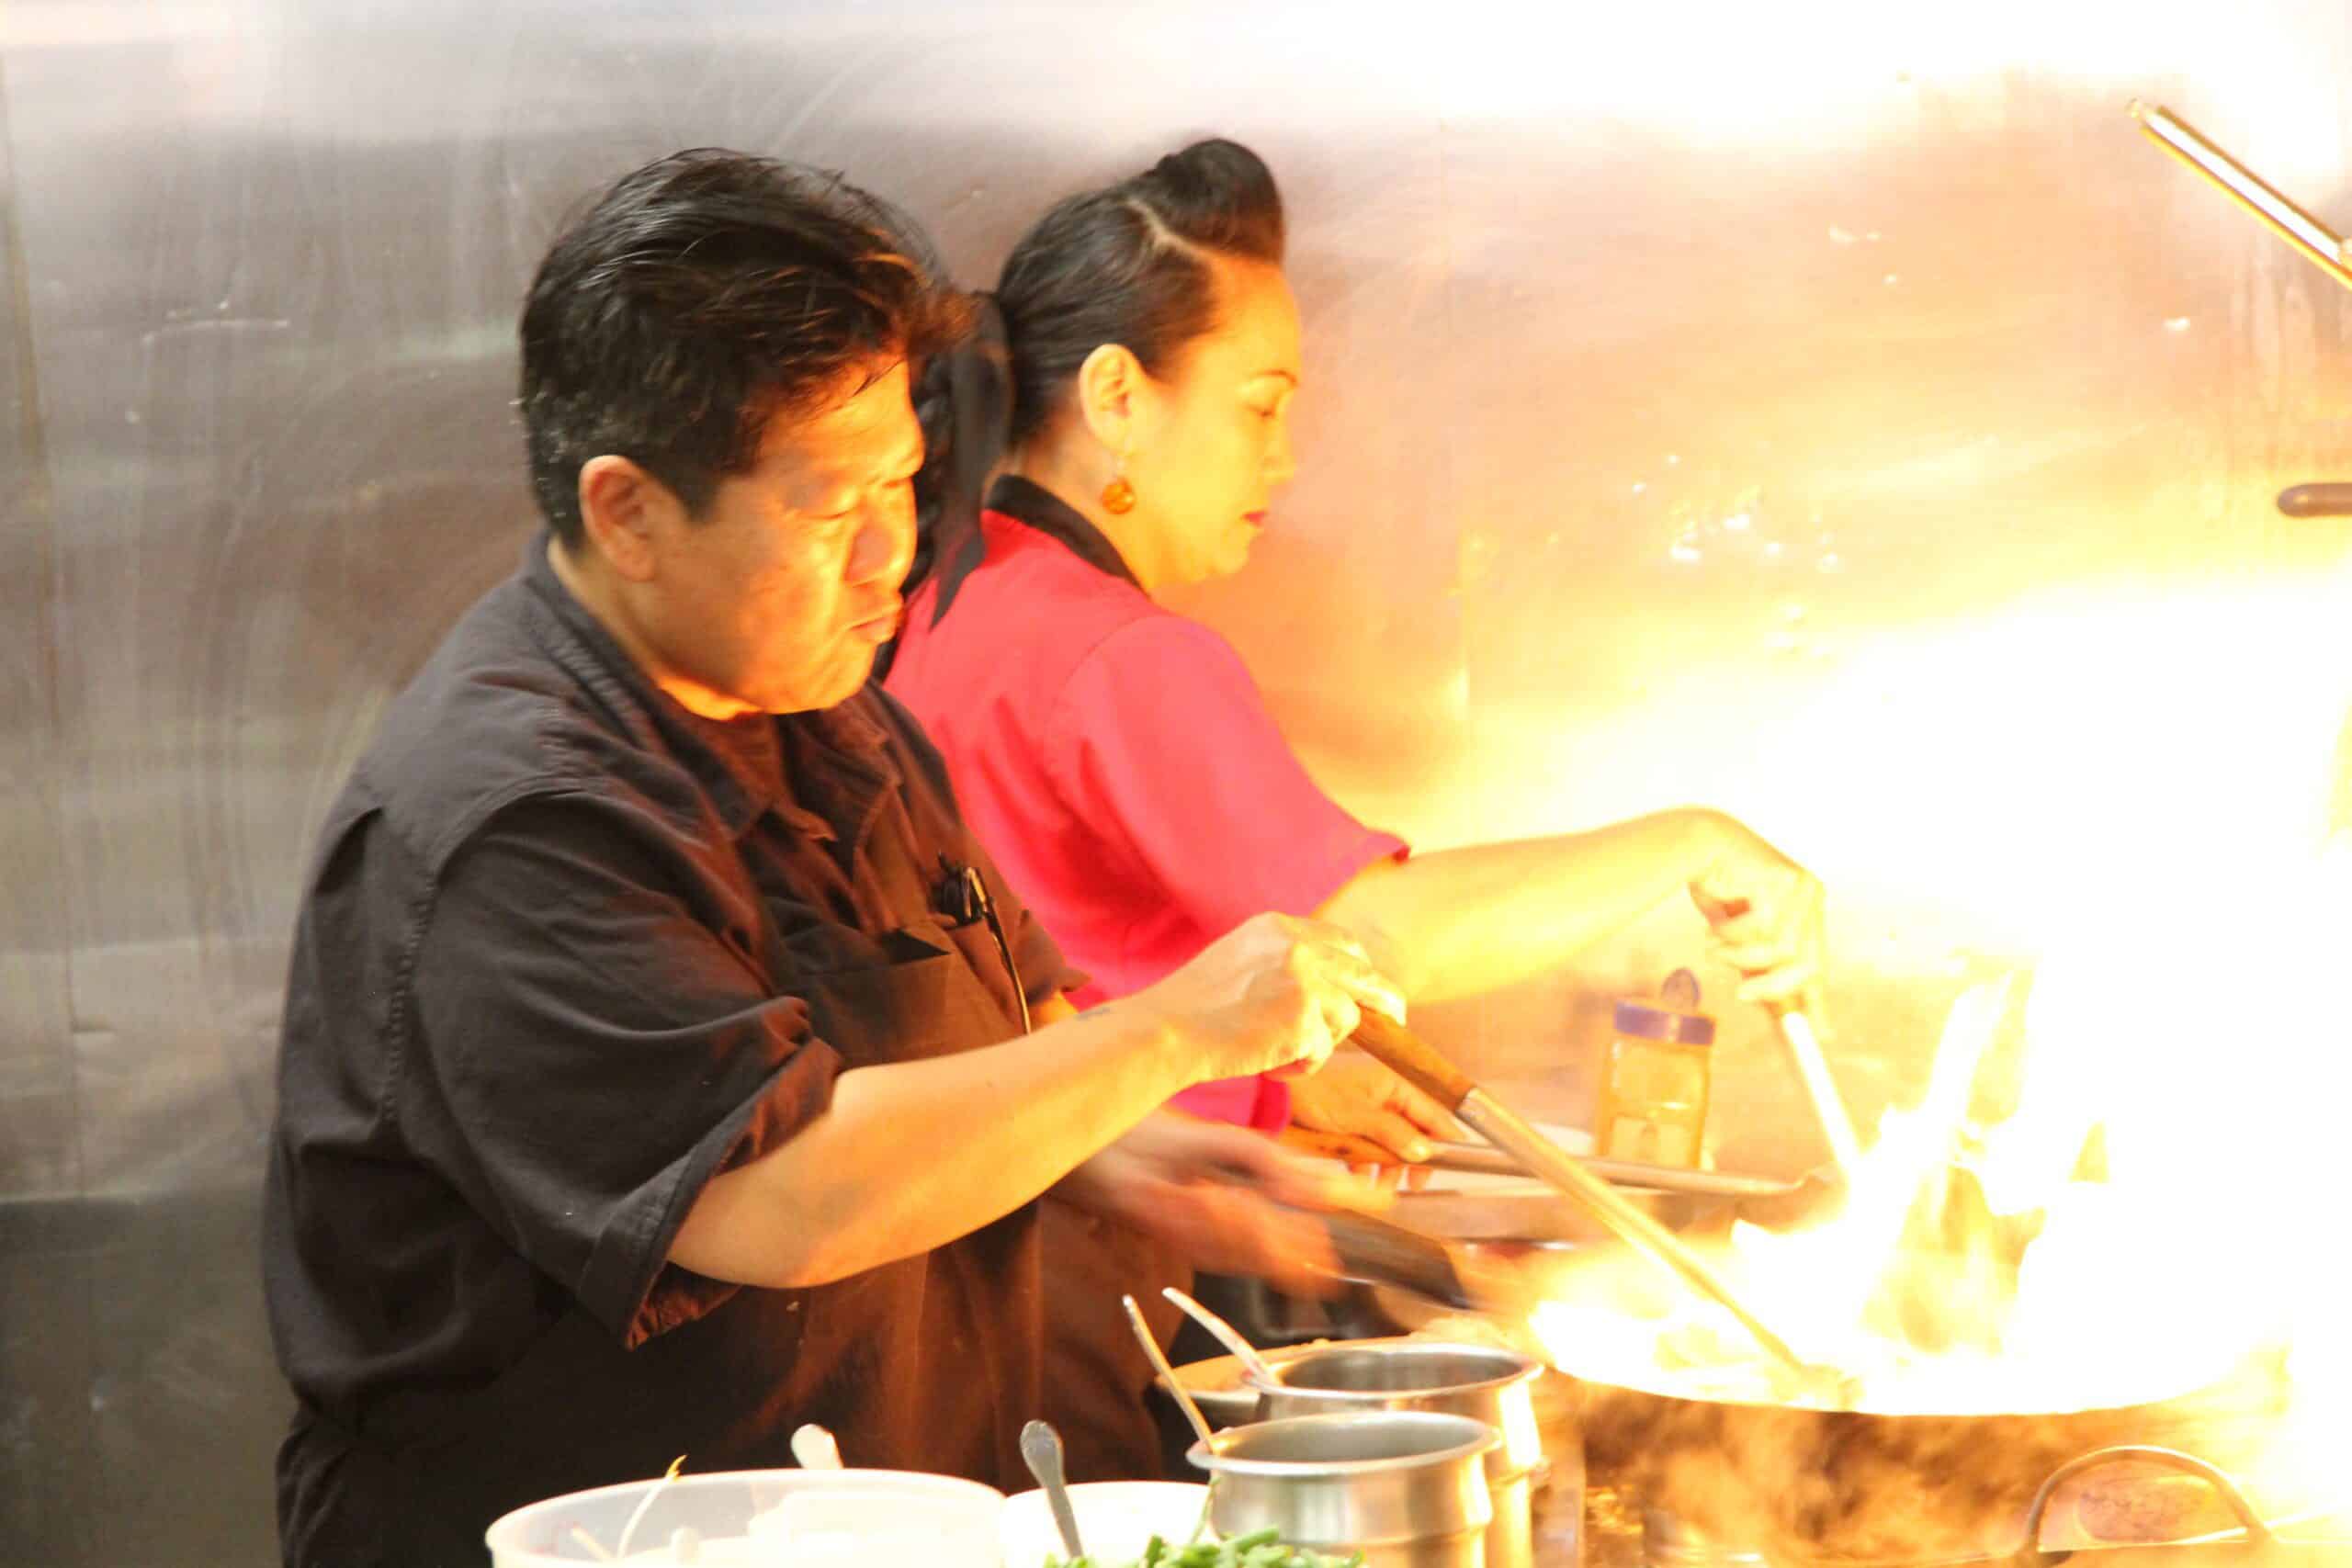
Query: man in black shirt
654,1076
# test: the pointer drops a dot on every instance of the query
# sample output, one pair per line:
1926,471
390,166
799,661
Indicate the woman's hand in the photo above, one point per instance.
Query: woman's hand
1356,1095
1228,1199
1766,911
1276,994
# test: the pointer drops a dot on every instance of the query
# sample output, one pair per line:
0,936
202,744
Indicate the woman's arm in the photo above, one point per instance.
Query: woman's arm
1461,921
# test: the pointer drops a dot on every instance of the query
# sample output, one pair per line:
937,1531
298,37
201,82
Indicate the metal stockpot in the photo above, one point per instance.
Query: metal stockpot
1408,1488
1487,1384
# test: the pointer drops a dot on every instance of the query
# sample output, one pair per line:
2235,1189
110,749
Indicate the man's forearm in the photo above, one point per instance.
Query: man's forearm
912,1155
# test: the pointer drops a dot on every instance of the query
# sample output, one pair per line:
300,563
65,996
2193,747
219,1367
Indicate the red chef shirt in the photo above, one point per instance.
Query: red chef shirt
1118,762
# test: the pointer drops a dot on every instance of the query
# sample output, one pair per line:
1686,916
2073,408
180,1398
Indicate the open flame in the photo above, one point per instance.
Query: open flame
2117,1190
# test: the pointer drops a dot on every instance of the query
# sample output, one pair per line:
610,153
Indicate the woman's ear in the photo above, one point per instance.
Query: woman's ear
1111,386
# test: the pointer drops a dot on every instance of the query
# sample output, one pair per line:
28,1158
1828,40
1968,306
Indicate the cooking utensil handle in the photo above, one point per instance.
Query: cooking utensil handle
1176,1390
1041,1446
2249,1519
1504,1129
2319,243
1410,1057
1414,1060
1224,1333
1821,1090
2317,501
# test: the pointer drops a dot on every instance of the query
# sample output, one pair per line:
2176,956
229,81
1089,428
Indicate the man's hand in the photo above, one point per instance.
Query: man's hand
1275,994
1223,1196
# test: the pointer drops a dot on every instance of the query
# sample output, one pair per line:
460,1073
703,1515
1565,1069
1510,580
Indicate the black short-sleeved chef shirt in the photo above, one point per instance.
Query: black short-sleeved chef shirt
567,951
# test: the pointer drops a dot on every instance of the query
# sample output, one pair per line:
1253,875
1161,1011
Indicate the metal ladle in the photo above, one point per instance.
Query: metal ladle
1226,1334
1167,1373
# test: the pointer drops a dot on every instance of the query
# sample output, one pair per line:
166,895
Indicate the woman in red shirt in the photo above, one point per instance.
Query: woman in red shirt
1129,390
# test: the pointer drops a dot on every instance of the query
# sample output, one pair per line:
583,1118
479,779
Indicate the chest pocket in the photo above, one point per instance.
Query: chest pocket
918,992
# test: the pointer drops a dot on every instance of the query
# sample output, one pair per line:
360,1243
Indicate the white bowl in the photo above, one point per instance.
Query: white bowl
803,1518
1116,1519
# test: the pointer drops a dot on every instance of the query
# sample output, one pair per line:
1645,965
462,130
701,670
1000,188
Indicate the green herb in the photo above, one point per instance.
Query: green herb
1258,1549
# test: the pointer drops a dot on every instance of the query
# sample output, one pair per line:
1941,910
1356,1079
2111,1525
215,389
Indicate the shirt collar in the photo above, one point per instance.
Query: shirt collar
1034,506
712,749
1028,501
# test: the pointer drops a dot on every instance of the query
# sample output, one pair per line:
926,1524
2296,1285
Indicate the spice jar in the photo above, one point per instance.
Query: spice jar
1654,1096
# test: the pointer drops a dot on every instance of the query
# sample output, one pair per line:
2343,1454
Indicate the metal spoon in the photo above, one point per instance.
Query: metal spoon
1167,1373
1227,1335
1041,1446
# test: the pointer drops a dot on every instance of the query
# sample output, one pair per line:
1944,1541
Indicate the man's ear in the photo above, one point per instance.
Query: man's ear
625,513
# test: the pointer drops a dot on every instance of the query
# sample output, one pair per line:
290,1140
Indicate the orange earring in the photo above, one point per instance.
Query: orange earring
1119,496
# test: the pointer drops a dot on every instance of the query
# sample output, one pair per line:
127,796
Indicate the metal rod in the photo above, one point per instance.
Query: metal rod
2322,245
1821,1090
1485,1159
1503,1128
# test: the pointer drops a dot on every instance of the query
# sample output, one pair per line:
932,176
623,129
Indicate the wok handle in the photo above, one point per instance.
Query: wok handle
2249,1519
1410,1057
2317,501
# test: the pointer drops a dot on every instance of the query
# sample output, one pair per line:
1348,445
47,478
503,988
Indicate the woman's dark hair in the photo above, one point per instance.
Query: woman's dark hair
1129,264
702,296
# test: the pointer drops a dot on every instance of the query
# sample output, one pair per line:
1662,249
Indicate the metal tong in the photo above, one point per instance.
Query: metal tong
1414,1060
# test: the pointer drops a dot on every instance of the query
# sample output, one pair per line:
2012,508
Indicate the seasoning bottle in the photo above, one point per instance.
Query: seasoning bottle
1654,1096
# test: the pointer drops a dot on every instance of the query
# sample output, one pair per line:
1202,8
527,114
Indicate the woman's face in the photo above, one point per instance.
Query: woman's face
1211,441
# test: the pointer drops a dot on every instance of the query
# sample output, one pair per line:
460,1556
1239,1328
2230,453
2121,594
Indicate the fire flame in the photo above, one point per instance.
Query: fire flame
2117,1190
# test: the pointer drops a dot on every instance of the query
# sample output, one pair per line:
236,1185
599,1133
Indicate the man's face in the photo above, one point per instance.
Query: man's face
776,597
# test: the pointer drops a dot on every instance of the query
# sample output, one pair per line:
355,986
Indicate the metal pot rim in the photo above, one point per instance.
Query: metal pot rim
1476,1438
1529,1369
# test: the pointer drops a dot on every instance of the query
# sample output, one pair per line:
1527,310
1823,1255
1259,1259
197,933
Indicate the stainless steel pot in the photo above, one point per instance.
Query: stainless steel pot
1408,1488
1486,1384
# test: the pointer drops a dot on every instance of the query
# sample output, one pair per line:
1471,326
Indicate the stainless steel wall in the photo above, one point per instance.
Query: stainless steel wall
1841,417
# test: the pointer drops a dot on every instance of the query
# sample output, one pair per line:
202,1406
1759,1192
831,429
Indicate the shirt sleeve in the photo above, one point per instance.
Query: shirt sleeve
601,1051
1161,739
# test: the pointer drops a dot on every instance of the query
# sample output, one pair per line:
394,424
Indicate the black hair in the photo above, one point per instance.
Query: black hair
1129,264
702,296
